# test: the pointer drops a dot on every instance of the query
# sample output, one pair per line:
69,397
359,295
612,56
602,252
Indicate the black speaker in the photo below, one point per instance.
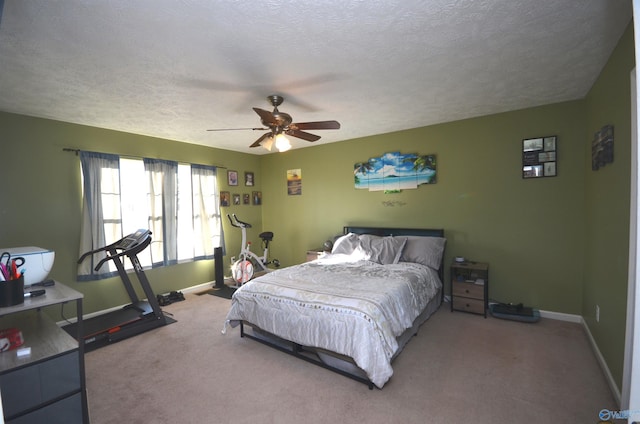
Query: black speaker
217,259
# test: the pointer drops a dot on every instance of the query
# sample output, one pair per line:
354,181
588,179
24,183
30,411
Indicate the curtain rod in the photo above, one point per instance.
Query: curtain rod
77,151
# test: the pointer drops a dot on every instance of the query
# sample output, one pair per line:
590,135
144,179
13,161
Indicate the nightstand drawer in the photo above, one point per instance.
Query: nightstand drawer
468,305
468,290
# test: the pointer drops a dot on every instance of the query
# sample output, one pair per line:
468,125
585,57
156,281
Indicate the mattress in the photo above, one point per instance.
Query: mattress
359,309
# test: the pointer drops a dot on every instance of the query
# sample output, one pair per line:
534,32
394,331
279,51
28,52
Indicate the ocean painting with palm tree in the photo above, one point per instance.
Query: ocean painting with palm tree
393,172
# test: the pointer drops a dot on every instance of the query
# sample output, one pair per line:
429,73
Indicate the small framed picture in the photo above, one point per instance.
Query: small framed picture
225,198
532,171
550,169
232,178
246,199
549,144
602,148
236,199
257,197
248,179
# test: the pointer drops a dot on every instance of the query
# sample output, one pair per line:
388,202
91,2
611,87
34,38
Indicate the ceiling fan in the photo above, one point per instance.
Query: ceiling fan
279,123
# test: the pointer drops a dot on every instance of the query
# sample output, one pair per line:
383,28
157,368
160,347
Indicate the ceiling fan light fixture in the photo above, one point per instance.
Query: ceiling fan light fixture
282,143
279,124
267,143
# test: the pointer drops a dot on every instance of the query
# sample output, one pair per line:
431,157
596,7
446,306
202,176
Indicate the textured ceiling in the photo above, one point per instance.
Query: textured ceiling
175,68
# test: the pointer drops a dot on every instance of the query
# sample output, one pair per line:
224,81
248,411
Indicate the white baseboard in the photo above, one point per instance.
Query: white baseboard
578,319
559,316
87,316
603,364
198,287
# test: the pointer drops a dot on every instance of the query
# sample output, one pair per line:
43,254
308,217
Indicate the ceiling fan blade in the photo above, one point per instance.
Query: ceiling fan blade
266,116
320,125
238,129
260,140
303,135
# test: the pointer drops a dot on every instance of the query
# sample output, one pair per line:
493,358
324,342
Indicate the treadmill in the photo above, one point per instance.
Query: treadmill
137,317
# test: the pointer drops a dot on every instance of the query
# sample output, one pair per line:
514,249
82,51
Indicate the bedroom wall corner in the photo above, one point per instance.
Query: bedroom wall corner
607,206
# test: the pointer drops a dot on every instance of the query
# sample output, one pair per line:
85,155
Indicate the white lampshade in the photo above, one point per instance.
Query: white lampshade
267,143
282,143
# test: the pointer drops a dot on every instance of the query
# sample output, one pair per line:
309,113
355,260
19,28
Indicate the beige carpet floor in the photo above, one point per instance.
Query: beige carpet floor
461,368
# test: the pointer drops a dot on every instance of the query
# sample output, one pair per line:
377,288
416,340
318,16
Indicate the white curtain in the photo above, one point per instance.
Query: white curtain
207,220
101,214
163,204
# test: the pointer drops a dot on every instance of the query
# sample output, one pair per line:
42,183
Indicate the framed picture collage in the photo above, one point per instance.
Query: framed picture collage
228,198
539,157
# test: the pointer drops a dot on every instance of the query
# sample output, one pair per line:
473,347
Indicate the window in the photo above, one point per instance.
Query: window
178,202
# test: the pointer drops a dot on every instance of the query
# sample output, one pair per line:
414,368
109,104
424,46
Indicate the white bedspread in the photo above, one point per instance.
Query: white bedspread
353,308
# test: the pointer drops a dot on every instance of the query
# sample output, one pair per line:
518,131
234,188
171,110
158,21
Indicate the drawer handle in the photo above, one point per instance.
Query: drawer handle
468,306
466,290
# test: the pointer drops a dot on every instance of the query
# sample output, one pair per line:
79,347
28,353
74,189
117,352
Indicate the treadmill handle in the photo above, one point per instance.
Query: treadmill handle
134,250
100,249
84,255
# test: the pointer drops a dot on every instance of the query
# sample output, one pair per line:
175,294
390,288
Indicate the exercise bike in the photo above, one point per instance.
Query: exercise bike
243,268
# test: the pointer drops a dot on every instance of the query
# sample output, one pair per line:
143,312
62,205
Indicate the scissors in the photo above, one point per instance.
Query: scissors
10,266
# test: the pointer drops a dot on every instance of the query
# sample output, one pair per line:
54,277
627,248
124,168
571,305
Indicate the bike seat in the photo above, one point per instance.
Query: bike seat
266,236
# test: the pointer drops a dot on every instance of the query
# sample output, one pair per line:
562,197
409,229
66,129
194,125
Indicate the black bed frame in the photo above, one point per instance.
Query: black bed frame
308,354
301,352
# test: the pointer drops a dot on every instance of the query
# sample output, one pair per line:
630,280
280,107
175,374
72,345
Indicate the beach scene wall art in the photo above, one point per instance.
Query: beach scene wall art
395,171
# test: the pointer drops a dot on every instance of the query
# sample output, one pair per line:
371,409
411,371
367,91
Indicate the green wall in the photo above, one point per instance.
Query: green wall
607,206
530,231
41,203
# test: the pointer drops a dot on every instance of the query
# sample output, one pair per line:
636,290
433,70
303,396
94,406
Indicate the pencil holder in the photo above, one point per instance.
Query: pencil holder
12,292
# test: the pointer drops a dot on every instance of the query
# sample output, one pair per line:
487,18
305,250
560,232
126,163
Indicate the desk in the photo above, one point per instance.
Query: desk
48,385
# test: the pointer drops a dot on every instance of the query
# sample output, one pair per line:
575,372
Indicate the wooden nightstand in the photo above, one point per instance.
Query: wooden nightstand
470,287
314,254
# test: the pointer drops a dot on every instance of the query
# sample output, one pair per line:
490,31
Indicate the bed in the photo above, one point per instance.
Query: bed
351,311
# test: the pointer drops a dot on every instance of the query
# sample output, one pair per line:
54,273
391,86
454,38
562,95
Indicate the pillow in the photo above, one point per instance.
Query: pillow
383,250
424,250
346,244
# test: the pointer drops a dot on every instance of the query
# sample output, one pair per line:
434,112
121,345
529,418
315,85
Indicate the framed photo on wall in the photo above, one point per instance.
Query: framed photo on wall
257,197
294,182
246,199
225,198
249,179
602,148
232,178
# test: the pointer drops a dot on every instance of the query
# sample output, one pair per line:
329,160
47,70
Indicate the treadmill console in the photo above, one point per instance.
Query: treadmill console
133,240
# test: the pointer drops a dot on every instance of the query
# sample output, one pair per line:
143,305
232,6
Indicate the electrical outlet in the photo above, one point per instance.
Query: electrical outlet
597,313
